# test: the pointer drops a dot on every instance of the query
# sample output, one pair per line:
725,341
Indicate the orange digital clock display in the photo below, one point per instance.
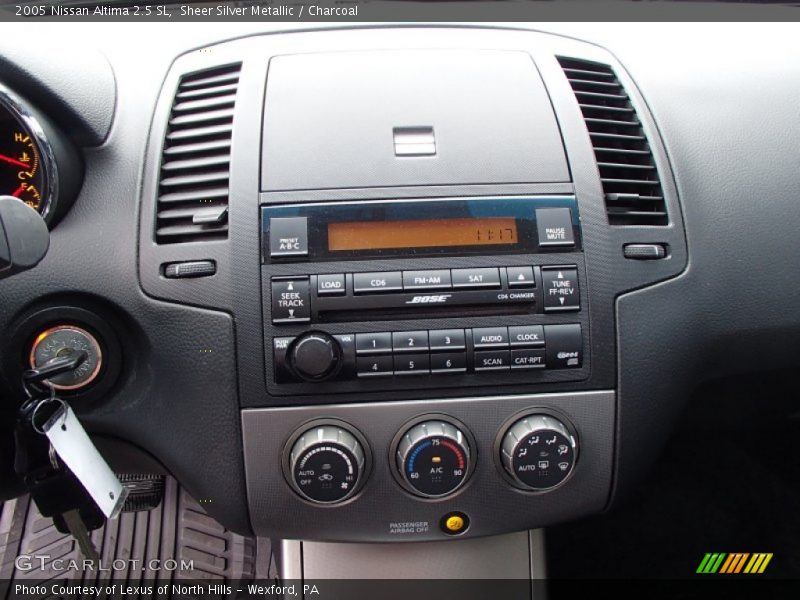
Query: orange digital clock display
428,233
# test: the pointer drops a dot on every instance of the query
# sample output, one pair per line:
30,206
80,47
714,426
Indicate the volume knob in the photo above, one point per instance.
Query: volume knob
315,356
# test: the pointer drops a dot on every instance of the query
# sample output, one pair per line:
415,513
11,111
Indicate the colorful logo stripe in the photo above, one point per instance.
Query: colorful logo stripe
734,562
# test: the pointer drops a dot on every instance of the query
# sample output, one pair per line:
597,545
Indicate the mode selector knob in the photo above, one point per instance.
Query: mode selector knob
315,356
538,452
326,463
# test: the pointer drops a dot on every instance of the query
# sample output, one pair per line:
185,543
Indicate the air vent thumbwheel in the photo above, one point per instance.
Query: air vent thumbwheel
538,452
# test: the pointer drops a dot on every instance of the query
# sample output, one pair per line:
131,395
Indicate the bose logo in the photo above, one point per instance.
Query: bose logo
429,299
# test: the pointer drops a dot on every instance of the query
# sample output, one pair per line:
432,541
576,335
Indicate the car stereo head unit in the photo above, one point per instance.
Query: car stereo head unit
357,292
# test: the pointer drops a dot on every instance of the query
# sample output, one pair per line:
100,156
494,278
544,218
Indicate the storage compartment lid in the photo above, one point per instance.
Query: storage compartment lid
408,118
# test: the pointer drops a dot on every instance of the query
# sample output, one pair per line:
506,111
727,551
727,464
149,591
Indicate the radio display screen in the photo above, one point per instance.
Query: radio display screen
424,233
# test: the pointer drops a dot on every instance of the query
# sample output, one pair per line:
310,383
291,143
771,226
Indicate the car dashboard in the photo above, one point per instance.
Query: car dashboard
401,283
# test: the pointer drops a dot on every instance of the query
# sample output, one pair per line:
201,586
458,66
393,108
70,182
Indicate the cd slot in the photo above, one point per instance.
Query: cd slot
429,312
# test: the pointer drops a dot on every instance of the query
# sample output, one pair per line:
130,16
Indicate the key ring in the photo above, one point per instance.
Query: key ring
52,398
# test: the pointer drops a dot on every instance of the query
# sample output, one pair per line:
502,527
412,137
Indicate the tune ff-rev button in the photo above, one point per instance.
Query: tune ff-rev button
326,464
433,458
538,452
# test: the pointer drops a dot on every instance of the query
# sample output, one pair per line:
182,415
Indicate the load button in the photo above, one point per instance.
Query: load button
560,288
290,301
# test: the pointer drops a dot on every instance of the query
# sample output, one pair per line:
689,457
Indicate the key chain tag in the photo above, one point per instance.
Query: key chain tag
74,447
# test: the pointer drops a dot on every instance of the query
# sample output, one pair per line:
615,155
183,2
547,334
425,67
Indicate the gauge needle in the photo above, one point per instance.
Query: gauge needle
13,161
18,192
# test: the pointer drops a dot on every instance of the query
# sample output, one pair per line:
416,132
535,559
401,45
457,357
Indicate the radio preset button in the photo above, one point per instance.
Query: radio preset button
560,288
526,335
373,343
427,280
410,341
554,226
492,360
375,366
375,283
490,337
331,285
288,236
448,362
411,364
529,358
290,301
476,278
447,339
520,277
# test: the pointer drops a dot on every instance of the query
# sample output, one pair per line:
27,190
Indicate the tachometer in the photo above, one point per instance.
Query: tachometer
26,160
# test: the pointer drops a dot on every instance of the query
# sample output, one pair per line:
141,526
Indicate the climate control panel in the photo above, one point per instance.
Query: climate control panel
432,456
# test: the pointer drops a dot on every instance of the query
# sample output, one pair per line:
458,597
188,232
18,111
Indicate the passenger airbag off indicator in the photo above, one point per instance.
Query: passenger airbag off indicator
560,288
454,523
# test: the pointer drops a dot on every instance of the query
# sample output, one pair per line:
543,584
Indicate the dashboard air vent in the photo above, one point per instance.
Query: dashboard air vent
631,186
195,165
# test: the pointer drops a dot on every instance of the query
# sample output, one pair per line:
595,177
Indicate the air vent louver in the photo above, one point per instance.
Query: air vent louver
195,165
628,173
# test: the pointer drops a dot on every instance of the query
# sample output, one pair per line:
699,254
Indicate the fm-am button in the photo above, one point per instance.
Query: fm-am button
427,280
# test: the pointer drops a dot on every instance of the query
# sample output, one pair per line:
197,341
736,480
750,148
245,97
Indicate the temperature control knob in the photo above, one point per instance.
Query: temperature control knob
326,464
315,356
433,458
538,452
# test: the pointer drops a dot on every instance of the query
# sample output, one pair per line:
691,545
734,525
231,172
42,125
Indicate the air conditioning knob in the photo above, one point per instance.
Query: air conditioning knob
538,452
315,356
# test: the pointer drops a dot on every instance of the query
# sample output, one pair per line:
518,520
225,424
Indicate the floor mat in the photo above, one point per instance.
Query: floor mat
136,548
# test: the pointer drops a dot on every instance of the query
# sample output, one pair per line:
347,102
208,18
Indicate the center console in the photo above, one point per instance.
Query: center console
421,251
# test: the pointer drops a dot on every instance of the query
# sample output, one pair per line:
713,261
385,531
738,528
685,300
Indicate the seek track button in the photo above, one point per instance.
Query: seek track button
290,301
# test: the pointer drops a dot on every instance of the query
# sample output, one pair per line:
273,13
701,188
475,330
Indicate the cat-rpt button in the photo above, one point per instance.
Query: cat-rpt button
290,301
563,346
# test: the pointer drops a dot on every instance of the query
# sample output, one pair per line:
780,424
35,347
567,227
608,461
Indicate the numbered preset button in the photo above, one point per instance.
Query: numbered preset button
447,339
410,341
411,364
449,362
375,366
373,343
